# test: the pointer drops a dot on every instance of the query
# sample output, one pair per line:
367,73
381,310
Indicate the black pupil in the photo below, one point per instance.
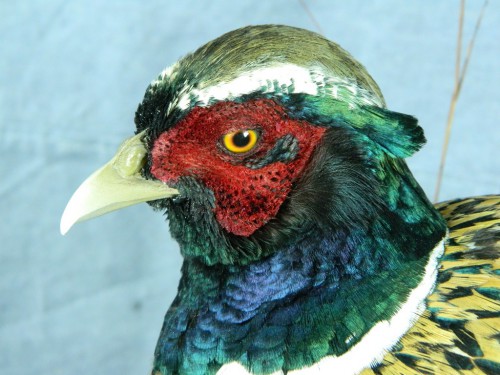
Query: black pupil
241,139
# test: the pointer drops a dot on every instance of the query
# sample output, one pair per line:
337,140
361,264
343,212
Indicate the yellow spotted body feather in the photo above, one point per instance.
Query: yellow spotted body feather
459,333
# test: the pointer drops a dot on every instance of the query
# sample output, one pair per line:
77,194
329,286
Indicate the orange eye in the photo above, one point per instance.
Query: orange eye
240,141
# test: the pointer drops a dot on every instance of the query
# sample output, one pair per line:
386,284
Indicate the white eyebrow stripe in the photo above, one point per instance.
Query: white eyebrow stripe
280,79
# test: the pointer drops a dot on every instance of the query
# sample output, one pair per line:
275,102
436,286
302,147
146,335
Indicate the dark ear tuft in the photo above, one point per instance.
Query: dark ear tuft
399,134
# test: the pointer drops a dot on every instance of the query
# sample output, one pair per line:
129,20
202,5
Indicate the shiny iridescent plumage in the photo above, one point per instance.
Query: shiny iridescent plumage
314,250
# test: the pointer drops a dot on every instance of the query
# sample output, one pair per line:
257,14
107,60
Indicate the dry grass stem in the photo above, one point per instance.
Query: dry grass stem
460,73
311,16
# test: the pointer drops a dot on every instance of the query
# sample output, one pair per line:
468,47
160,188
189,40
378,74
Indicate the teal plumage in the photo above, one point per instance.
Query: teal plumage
309,247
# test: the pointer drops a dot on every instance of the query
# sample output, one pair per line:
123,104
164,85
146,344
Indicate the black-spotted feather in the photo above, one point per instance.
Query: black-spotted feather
459,333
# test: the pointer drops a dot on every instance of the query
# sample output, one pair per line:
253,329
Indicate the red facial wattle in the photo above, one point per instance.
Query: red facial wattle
245,198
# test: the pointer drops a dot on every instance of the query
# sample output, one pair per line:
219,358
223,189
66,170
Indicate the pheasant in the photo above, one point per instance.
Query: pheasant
308,245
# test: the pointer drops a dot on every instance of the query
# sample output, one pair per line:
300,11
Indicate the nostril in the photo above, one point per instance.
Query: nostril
133,161
131,157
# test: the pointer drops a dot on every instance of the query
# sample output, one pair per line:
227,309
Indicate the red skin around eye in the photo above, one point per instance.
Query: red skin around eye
245,198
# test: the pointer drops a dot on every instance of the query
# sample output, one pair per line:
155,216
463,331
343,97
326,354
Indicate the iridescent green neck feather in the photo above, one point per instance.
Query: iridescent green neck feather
344,252
348,245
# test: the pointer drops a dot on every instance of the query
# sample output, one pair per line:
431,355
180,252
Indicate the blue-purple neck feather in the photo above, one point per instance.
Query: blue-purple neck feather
348,245
311,299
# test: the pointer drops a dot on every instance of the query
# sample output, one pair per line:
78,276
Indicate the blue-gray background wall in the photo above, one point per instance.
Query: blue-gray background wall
71,76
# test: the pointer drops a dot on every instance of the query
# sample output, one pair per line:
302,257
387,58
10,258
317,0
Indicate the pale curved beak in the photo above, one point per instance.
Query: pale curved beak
116,185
